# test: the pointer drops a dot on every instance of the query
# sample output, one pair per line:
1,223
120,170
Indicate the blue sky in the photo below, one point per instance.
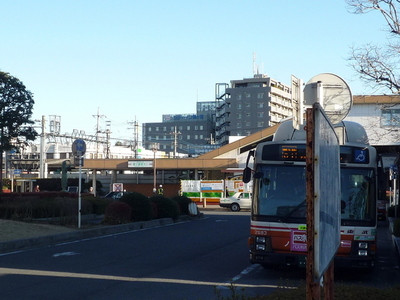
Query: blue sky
137,60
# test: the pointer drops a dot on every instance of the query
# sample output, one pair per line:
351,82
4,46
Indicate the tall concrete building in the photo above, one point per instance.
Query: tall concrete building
250,105
191,134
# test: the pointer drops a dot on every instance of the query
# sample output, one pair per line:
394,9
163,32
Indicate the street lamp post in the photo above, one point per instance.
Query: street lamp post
155,147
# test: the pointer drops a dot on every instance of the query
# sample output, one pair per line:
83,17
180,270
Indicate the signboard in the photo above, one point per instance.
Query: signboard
326,191
212,185
117,187
140,164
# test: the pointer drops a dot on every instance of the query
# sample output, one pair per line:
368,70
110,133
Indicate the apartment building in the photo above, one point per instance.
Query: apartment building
249,105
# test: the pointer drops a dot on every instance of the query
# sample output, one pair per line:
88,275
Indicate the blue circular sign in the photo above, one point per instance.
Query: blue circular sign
79,147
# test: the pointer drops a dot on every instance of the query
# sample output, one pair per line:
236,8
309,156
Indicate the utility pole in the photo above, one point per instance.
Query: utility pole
42,152
135,145
108,132
98,116
175,134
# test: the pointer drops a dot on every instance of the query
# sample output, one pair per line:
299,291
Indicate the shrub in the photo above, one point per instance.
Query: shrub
392,211
166,208
140,204
183,203
154,210
396,227
117,213
36,207
99,204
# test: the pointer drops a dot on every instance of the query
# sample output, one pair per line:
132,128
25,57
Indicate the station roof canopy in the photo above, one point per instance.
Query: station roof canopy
222,158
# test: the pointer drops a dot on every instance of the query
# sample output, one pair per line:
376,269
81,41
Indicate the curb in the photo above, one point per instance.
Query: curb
16,245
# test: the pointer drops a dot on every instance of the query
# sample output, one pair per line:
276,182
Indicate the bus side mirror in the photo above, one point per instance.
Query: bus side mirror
247,170
246,175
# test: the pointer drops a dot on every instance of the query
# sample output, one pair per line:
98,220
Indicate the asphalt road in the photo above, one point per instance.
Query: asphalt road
189,260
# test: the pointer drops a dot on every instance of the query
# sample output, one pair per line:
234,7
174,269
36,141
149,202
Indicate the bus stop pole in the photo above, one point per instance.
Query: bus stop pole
312,288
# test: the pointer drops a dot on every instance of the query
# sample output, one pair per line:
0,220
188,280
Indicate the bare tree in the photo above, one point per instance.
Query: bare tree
377,65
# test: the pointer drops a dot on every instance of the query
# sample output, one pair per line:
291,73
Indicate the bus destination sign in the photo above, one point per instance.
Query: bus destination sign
291,152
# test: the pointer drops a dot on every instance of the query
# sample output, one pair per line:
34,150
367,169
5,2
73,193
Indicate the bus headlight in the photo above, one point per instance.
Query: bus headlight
260,239
263,243
362,245
362,252
260,247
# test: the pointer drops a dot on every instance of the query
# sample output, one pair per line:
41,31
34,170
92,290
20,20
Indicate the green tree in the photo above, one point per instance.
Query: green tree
16,104
377,65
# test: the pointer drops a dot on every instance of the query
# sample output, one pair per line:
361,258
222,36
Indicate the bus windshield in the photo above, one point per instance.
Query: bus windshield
280,193
357,197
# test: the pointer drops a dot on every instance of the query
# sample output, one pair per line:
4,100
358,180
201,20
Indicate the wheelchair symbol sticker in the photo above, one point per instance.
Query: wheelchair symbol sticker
359,156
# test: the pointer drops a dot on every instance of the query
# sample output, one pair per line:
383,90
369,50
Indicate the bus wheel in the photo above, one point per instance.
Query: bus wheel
235,207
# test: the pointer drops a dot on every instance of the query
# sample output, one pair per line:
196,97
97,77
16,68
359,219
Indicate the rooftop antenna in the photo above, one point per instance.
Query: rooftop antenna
255,69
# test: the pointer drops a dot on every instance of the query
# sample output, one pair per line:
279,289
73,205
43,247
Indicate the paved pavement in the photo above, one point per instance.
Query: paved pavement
17,245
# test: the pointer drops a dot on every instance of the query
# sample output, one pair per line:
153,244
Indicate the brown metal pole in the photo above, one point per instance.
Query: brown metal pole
329,282
312,288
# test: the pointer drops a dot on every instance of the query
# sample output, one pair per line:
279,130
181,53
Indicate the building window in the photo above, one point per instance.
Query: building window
196,127
260,124
248,95
248,124
247,104
180,127
238,116
260,95
201,127
239,106
239,97
165,128
188,137
238,125
260,114
248,115
201,136
188,127
157,128
260,104
390,117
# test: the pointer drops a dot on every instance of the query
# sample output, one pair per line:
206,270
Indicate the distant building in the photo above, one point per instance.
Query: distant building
250,105
380,116
191,134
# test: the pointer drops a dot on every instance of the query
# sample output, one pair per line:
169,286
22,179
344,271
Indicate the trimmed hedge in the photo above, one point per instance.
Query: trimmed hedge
117,213
183,203
34,207
140,204
166,207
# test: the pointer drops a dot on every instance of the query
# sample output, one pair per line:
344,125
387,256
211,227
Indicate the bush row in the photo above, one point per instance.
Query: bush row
132,207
